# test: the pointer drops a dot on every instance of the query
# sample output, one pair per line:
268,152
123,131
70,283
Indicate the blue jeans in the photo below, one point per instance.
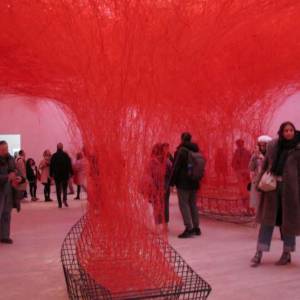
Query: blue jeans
266,231
265,237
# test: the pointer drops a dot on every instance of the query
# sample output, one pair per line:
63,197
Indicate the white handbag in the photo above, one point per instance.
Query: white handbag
268,182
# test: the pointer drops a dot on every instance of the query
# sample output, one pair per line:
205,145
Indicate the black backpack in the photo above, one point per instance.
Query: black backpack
196,165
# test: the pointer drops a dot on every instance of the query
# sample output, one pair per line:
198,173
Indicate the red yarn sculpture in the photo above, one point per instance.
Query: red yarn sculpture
139,72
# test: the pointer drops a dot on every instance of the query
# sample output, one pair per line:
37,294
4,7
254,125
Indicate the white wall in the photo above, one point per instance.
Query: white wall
41,124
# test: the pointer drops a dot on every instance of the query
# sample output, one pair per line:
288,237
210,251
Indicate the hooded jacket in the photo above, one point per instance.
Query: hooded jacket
180,176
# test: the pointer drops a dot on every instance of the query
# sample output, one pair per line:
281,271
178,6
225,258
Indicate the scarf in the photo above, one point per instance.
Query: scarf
284,147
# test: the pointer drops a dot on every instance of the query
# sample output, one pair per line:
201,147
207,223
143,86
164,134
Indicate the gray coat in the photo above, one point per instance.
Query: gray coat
267,210
6,190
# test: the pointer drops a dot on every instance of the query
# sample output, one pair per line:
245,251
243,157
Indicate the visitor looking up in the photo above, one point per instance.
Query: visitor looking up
255,167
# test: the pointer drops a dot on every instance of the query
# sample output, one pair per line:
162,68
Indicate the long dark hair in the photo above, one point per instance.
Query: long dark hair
283,148
29,160
282,127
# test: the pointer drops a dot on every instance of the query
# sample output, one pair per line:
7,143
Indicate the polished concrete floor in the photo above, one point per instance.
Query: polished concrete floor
30,269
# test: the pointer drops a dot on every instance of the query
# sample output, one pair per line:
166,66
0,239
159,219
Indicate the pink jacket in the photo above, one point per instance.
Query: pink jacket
79,169
44,167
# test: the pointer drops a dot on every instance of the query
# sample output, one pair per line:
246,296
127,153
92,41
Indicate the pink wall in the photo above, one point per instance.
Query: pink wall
42,124
289,111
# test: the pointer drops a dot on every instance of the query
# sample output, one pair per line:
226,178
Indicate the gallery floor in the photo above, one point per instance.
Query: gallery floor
30,269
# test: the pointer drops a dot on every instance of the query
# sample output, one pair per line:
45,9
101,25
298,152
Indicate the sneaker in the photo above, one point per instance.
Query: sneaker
6,241
197,231
186,234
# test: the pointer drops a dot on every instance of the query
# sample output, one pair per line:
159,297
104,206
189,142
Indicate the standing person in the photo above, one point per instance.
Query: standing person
255,167
221,166
79,174
32,177
71,181
159,170
168,162
187,173
21,167
9,178
70,185
281,207
168,155
44,168
240,164
61,171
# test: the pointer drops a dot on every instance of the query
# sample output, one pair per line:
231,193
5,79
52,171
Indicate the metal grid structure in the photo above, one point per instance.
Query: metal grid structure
80,285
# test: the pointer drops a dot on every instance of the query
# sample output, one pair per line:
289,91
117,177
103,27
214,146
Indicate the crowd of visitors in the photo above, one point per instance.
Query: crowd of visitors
271,174
17,174
280,206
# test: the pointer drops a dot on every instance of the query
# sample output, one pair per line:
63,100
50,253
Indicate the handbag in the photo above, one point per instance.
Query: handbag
268,182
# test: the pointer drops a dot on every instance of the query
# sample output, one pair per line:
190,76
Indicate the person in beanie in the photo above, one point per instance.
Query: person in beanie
186,184
255,167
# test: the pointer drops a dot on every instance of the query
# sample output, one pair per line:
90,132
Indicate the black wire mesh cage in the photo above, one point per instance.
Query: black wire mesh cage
184,282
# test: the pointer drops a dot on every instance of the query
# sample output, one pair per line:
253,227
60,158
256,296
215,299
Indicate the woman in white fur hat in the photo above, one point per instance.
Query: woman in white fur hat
255,167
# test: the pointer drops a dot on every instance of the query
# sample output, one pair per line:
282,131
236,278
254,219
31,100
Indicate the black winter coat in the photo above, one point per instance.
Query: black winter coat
61,166
267,212
180,176
31,176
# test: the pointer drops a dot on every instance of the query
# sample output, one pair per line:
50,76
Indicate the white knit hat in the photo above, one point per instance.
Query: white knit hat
264,139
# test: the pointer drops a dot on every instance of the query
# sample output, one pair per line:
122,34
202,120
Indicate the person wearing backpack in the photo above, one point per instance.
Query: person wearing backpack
187,173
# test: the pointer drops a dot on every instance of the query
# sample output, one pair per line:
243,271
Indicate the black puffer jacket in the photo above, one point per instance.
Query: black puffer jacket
180,176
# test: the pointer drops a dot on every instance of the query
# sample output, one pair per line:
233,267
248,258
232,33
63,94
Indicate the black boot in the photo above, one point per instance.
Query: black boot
284,259
6,241
256,260
65,203
186,234
197,231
